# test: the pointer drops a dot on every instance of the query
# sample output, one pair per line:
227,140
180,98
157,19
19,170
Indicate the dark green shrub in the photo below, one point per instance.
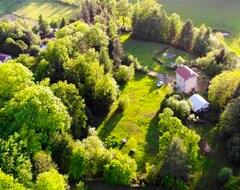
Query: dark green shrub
224,175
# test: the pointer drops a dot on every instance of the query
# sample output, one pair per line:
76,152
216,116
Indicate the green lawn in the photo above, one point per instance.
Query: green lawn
172,51
218,14
33,8
139,122
145,51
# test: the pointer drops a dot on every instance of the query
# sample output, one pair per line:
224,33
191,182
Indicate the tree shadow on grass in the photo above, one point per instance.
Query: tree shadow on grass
110,124
152,137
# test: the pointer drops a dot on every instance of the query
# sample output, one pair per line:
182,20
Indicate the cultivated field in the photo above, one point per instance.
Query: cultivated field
33,8
218,14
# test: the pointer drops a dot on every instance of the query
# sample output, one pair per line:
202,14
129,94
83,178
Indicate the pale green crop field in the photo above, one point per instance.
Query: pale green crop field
218,14
33,8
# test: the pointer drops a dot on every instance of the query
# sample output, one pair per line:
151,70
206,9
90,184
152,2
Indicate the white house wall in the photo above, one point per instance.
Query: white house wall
180,82
190,84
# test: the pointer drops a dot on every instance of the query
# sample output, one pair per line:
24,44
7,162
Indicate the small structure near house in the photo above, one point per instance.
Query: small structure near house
199,104
4,57
186,79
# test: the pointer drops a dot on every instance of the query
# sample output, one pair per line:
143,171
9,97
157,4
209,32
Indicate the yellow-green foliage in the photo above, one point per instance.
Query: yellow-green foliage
222,87
138,123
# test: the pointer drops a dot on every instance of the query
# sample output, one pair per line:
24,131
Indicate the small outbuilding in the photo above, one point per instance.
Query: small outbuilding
199,104
4,57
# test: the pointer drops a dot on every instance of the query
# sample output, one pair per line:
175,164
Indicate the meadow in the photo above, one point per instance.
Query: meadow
31,9
218,14
139,121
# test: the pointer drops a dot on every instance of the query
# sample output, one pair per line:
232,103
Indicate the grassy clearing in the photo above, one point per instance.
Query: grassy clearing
139,121
176,52
33,8
217,14
145,51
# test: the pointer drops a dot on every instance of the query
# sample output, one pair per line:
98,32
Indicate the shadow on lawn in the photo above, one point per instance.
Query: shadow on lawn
152,137
110,124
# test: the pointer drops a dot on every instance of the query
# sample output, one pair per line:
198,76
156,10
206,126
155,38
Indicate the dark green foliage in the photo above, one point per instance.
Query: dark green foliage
233,148
13,47
233,184
16,37
34,50
105,60
224,175
81,186
176,161
69,95
77,166
14,159
43,162
178,147
186,38
229,119
62,146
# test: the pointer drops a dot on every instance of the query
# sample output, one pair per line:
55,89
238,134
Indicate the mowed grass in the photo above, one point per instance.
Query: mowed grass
218,14
33,8
139,121
172,51
145,51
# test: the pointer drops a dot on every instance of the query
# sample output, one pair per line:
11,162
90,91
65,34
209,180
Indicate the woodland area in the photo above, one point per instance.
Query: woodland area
52,99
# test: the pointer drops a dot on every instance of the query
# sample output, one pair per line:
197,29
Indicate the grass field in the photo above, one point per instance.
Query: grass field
172,51
145,51
33,8
218,14
139,122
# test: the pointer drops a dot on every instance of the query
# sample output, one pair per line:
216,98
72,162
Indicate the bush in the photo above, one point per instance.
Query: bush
233,148
81,186
233,184
34,50
224,175
117,172
151,173
123,103
13,47
124,73
76,169
43,162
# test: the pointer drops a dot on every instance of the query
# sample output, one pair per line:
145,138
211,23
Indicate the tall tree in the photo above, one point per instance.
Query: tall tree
187,35
175,26
35,113
14,78
222,87
69,95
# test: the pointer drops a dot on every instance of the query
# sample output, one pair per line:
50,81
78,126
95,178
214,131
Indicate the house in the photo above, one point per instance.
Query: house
199,104
186,79
4,57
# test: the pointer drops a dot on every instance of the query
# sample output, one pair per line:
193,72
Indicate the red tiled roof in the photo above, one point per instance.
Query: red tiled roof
3,57
185,72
